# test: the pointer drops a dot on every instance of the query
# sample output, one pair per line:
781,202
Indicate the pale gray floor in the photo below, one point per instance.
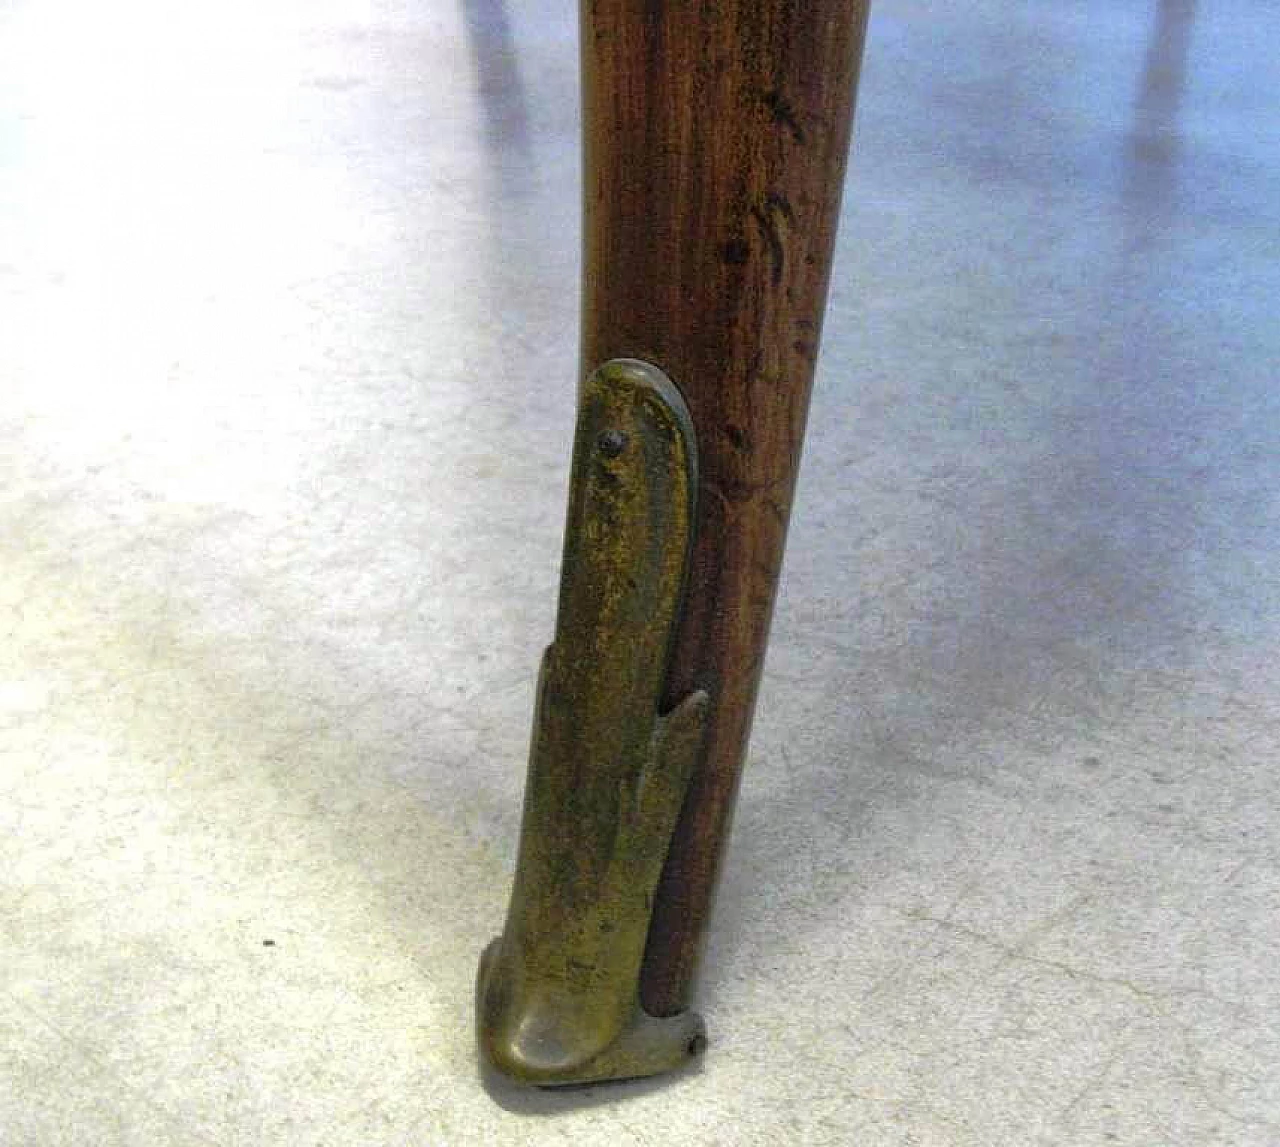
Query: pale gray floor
287,339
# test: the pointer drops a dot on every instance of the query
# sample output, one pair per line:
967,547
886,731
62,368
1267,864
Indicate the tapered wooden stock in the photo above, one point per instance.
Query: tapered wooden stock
715,142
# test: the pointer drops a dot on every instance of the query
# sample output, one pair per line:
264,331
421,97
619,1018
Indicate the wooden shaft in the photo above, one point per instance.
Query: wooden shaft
716,133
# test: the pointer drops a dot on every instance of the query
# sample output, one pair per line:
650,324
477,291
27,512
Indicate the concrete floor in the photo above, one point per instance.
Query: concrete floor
280,525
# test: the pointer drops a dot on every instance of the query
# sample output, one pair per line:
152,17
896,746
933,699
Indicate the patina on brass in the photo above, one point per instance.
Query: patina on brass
558,991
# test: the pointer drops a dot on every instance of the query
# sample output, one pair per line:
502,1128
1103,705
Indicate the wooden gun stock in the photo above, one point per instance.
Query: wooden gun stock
715,145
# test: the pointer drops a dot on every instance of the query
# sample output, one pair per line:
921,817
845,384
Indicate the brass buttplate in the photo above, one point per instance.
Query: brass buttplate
558,998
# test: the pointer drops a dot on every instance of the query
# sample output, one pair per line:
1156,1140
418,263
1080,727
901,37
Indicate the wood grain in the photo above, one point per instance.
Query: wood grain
715,142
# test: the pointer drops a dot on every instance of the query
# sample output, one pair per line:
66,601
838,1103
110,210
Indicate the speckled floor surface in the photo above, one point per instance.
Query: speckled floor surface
287,313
